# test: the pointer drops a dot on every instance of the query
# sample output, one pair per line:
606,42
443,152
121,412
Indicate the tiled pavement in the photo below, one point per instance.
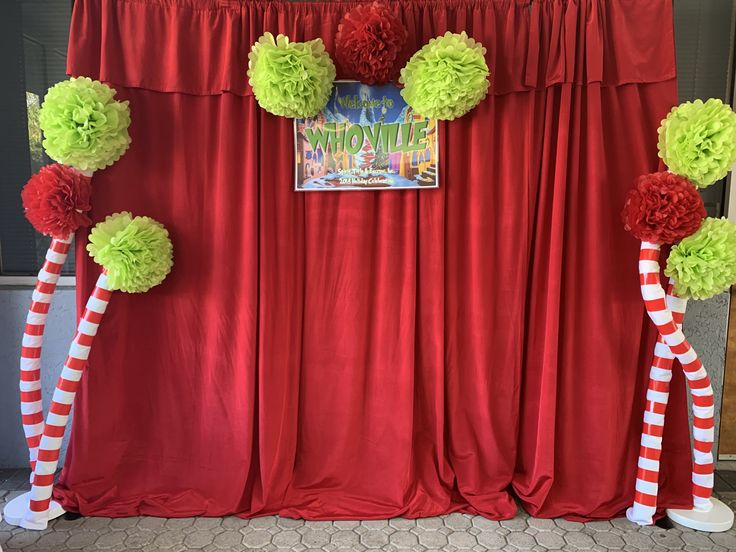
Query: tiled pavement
450,533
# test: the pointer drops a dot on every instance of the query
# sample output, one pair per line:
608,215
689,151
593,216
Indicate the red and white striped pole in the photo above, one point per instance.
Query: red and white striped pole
53,431
31,404
658,391
698,382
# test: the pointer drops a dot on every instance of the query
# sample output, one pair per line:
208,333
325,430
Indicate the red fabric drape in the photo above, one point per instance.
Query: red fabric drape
377,354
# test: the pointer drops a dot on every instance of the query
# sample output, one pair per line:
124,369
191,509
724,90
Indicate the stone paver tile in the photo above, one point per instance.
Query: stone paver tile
541,524
432,539
228,540
80,539
110,540
234,523
344,537
375,523
94,523
491,540
403,539
430,524
286,539
609,541
522,541
669,539
169,539
124,523
485,524
625,524
638,540
263,522
288,523
179,523
457,522
205,523
62,524
578,540
152,523
402,524
727,540
21,540
515,524
696,539
199,538
549,540
346,524
315,538
51,541
602,526
569,525
256,538
374,538
139,539
462,540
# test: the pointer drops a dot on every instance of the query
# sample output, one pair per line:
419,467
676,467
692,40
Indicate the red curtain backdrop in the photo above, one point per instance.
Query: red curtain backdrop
377,354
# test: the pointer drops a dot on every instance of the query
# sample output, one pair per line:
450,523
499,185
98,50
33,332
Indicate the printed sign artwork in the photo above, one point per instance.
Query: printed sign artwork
366,138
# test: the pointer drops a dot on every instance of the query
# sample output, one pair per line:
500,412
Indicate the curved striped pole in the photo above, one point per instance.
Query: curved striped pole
53,431
658,392
31,405
697,378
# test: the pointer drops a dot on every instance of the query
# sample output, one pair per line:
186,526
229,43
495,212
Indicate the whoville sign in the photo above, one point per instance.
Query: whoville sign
366,138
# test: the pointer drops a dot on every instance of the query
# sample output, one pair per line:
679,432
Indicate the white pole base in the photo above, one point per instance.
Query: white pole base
717,520
16,509
642,515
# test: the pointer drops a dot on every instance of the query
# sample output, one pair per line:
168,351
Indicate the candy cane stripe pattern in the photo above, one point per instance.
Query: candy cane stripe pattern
658,390
697,378
61,404
30,355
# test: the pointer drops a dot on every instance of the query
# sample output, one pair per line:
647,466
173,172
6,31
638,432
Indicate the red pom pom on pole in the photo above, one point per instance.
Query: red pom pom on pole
369,43
56,200
663,208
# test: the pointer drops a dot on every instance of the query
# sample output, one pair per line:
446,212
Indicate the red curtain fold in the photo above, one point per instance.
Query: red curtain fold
376,354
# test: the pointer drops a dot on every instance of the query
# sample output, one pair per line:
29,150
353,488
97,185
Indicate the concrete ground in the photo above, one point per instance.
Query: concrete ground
454,532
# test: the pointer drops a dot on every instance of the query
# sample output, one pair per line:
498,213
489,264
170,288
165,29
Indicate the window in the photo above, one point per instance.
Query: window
703,44
33,39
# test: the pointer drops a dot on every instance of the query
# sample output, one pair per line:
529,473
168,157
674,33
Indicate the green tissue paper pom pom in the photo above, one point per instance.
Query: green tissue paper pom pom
446,78
697,140
704,263
83,125
291,79
136,252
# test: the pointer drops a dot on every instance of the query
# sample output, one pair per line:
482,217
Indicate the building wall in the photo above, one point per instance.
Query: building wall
59,333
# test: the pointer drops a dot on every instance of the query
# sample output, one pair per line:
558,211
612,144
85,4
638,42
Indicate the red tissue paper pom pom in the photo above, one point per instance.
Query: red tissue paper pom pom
663,208
56,200
369,41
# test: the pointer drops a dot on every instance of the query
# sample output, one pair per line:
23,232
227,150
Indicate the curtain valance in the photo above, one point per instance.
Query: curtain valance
201,46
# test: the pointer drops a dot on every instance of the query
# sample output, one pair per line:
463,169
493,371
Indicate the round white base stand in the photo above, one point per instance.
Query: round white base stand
717,520
17,508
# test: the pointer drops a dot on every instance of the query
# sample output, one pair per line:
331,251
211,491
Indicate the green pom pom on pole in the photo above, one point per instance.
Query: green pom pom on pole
697,140
83,125
290,79
446,78
136,252
704,263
